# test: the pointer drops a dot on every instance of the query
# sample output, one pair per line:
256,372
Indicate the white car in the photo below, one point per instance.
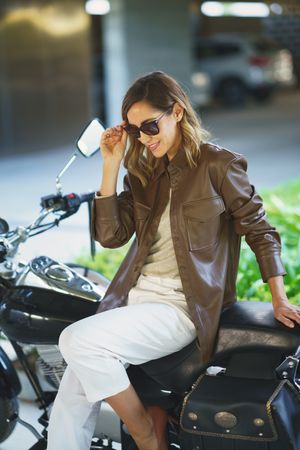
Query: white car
241,64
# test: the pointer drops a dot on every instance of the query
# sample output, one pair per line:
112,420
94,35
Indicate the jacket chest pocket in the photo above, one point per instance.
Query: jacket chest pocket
141,214
202,221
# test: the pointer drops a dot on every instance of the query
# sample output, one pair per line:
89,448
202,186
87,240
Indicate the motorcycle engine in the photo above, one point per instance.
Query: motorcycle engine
76,280
51,364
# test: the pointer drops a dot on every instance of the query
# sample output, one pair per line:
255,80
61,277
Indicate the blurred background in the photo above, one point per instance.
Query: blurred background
64,61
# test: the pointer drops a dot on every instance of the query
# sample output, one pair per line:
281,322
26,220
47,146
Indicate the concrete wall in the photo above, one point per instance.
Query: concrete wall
44,73
140,37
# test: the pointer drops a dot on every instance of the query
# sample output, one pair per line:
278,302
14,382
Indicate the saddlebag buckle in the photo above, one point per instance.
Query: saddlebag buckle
288,369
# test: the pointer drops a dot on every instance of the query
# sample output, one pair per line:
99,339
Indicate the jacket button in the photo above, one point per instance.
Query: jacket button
269,237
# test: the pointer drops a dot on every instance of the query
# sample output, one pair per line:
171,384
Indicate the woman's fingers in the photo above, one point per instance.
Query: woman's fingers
288,315
113,132
113,142
289,323
110,136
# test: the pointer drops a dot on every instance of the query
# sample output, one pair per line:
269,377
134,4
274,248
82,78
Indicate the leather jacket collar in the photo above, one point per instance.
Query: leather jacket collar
179,161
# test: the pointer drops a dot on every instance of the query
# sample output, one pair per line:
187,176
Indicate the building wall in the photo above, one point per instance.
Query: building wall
140,37
44,74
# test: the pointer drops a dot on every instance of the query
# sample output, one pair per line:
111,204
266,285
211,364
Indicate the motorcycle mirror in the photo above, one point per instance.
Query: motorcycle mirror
4,227
87,144
89,141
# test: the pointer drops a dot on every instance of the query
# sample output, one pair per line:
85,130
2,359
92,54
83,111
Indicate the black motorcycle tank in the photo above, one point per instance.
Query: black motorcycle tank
33,315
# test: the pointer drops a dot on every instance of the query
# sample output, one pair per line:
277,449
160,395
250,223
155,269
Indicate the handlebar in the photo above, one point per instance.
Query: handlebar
87,197
62,205
69,202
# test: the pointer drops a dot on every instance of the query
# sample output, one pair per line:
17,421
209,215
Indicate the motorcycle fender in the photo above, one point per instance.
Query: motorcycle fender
10,385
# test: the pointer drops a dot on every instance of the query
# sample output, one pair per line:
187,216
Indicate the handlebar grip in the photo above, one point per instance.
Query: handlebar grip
69,202
86,197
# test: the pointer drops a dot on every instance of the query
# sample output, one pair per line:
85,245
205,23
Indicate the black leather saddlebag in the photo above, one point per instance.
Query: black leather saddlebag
230,413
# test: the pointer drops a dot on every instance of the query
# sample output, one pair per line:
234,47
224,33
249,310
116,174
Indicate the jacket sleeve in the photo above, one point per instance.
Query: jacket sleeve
249,217
113,219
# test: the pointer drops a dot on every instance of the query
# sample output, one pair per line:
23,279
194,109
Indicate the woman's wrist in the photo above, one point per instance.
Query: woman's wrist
112,164
109,177
277,289
278,300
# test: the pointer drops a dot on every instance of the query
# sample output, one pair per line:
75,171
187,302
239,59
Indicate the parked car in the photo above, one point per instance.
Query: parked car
242,64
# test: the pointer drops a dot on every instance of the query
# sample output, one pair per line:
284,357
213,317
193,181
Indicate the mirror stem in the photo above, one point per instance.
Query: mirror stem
57,181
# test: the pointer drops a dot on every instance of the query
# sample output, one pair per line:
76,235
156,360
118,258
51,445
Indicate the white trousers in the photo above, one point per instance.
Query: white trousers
96,350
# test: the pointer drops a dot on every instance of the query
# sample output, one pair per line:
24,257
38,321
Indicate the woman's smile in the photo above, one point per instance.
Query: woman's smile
153,146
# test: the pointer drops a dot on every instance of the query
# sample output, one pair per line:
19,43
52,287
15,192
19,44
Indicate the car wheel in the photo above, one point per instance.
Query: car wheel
232,92
8,407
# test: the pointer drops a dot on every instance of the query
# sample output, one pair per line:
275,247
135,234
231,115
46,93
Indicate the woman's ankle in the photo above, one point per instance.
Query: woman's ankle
160,419
147,440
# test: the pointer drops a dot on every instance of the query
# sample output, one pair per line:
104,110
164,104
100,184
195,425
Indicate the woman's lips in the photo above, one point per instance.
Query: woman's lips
153,147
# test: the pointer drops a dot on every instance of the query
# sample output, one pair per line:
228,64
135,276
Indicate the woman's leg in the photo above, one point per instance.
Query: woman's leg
160,420
73,418
98,347
136,418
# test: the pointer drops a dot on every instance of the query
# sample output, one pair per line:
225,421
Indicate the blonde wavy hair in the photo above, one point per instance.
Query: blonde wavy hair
161,91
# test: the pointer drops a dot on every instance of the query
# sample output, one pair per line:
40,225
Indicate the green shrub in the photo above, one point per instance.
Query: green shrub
283,212
282,205
106,262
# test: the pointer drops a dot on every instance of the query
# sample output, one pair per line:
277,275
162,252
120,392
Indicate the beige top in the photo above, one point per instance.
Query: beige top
161,259
159,280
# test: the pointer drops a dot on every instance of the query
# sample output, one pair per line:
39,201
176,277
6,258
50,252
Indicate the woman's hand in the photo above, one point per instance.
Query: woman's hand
285,312
113,144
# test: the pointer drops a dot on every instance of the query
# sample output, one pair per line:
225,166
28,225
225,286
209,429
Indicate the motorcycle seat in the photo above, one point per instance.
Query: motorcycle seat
244,327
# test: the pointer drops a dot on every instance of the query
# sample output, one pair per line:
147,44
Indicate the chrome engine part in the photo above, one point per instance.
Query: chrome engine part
51,363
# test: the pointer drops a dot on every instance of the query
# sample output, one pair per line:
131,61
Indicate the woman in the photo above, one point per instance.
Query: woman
188,202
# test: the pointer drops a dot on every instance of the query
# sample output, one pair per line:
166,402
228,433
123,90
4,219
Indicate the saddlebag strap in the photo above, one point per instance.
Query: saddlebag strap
241,408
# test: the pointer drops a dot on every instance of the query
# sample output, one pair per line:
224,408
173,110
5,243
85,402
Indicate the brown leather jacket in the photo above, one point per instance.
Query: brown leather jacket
212,206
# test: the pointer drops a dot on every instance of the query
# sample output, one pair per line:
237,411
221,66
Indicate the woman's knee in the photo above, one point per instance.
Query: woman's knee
66,342
77,339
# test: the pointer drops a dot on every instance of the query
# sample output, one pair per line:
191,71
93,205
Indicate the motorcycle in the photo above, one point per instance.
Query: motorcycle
247,397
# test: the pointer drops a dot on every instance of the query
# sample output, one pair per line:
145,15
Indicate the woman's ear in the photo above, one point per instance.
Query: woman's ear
178,112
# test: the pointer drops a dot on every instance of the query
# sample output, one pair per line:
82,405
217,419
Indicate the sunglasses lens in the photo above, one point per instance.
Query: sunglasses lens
150,128
132,130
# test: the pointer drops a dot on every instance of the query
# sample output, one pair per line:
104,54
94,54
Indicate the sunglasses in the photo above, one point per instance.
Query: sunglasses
149,128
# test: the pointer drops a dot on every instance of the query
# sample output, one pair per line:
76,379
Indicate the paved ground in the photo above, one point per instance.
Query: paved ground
268,135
